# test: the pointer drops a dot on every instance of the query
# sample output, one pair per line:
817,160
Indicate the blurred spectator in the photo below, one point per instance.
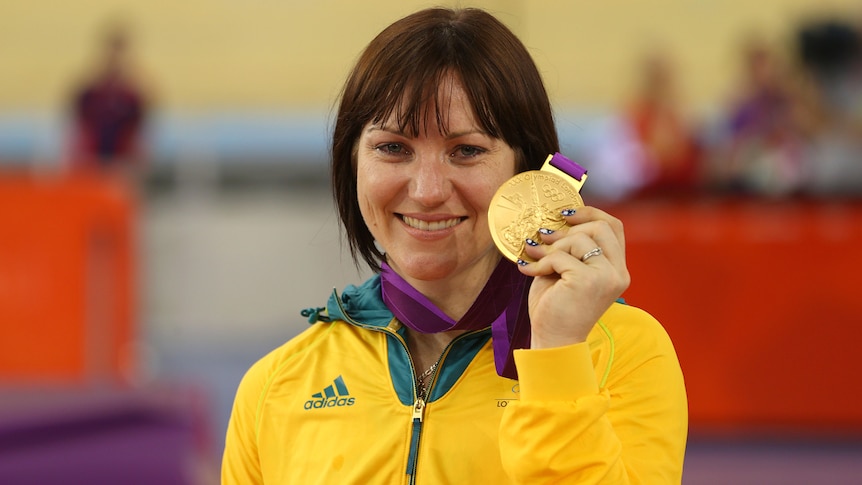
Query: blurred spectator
648,148
615,159
671,154
830,55
109,111
761,148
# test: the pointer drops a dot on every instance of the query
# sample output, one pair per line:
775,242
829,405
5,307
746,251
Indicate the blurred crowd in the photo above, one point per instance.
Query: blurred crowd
793,126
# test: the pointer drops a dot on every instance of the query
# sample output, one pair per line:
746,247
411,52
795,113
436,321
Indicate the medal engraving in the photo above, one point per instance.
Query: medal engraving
524,204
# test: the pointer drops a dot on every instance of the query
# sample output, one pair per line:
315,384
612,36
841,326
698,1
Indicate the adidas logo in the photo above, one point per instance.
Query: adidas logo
332,396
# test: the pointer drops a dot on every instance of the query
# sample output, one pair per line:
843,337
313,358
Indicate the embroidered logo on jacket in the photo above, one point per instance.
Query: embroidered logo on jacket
334,395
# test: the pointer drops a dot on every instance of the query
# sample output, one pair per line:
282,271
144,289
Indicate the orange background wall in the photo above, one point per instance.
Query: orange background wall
762,302
66,281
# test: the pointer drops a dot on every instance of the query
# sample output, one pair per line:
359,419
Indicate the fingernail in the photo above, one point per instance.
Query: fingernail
568,212
530,242
546,231
522,262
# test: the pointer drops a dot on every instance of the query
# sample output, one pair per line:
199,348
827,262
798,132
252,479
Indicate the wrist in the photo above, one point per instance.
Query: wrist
551,340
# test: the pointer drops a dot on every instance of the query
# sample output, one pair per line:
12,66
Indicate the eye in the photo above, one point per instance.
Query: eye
467,151
391,148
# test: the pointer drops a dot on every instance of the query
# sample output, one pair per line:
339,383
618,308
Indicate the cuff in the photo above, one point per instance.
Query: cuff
558,374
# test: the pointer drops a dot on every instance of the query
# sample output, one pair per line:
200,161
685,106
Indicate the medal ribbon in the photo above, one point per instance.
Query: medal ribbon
570,167
502,305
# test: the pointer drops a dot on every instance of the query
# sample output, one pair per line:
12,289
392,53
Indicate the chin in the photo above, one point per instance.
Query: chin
426,267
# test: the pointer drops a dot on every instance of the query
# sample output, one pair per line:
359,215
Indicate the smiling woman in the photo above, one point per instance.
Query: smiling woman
491,101
453,364
424,193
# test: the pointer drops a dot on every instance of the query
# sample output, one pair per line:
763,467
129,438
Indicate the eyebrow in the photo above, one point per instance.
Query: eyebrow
385,128
449,136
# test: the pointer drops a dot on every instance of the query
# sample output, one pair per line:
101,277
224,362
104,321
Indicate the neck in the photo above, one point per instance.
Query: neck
430,344
426,348
500,304
455,294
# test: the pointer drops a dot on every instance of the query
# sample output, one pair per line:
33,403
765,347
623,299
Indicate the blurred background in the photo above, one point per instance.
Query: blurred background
165,214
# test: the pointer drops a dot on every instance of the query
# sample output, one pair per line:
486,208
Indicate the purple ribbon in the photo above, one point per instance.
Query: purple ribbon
568,166
502,305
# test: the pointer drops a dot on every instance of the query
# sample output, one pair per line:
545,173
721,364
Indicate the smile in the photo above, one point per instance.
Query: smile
431,225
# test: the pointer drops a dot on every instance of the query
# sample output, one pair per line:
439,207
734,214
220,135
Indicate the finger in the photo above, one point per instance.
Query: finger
585,214
563,264
566,254
600,232
565,260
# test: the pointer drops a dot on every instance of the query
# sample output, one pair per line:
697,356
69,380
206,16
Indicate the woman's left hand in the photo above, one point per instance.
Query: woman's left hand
569,294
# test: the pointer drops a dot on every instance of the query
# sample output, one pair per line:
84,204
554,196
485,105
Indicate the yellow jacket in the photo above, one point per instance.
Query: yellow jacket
337,404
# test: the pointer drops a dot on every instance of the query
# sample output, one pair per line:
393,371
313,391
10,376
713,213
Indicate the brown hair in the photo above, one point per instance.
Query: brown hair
402,68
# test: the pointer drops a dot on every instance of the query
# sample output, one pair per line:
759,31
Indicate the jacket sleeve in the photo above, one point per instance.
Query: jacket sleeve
571,427
241,462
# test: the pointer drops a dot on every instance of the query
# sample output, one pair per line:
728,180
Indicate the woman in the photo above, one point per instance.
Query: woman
396,381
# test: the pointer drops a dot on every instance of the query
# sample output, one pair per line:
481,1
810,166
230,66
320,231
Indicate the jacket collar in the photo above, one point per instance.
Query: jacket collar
362,305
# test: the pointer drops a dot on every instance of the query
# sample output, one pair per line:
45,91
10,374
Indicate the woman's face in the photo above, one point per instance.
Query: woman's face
424,196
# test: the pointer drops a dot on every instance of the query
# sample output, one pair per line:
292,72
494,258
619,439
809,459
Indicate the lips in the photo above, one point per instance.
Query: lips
431,225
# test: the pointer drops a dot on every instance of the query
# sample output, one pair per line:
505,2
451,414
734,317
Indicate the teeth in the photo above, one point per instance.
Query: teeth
431,226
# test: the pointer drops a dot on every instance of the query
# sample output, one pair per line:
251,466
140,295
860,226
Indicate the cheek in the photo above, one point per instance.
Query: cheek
362,194
479,198
374,192
483,194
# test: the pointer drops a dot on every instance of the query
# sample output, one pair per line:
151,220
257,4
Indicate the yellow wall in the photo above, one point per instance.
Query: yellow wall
293,54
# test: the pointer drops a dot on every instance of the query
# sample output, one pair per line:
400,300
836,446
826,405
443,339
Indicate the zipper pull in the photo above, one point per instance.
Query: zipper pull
418,410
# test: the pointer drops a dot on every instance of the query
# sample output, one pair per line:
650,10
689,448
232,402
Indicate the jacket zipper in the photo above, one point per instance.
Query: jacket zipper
419,404
418,413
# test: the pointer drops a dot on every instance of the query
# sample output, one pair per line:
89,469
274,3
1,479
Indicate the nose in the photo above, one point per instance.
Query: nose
431,184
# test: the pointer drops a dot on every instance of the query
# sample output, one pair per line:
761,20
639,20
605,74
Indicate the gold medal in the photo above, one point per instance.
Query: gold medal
533,200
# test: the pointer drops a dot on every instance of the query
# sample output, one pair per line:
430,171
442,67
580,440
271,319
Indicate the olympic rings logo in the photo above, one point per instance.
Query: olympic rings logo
552,194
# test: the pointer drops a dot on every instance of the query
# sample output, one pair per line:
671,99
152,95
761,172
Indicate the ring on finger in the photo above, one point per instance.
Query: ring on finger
592,252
